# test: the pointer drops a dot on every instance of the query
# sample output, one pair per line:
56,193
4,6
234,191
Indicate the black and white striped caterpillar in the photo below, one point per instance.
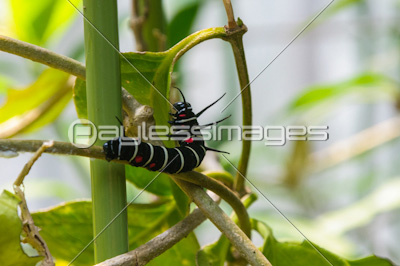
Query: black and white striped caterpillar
187,156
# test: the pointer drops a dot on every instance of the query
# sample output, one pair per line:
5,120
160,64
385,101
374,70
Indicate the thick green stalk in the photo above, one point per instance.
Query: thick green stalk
103,87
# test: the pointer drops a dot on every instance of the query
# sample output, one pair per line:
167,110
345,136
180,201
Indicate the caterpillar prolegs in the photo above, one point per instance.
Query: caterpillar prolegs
186,157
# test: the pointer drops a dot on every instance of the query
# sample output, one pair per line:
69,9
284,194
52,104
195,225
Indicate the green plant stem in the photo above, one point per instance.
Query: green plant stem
213,212
42,55
224,192
236,41
103,88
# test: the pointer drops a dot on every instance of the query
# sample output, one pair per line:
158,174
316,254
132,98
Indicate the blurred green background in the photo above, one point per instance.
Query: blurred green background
343,194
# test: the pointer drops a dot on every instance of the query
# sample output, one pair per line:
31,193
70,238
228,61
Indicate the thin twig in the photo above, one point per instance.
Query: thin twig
229,13
224,192
222,221
32,232
42,55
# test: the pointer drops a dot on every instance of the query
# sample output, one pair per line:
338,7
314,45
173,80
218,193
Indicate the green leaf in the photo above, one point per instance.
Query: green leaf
214,254
70,225
10,231
141,177
294,253
35,106
36,21
182,22
366,87
147,76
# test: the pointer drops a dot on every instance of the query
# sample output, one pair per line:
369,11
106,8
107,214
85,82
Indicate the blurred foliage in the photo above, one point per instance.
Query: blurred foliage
312,103
39,104
40,21
69,225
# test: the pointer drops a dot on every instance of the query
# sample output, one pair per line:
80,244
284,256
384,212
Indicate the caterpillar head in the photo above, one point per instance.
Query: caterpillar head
183,109
110,149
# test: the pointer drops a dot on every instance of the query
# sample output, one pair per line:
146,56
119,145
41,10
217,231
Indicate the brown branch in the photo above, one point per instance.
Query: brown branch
42,55
221,190
158,245
64,148
222,221
32,232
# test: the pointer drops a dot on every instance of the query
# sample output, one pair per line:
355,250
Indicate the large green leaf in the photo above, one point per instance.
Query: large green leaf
11,252
141,177
147,75
70,225
35,21
38,104
305,253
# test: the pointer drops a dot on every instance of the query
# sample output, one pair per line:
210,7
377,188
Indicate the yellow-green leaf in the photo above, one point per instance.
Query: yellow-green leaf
11,252
35,21
38,104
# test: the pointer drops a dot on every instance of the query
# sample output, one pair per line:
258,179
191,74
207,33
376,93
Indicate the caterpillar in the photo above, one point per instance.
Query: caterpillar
187,156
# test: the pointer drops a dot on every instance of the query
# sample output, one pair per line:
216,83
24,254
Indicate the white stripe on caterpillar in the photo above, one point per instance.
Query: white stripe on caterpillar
195,154
182,160
151,154
135,152
166,157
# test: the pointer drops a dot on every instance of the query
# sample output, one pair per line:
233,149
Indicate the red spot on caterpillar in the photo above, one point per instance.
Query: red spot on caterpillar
152,165
138,159
182,115
190,140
